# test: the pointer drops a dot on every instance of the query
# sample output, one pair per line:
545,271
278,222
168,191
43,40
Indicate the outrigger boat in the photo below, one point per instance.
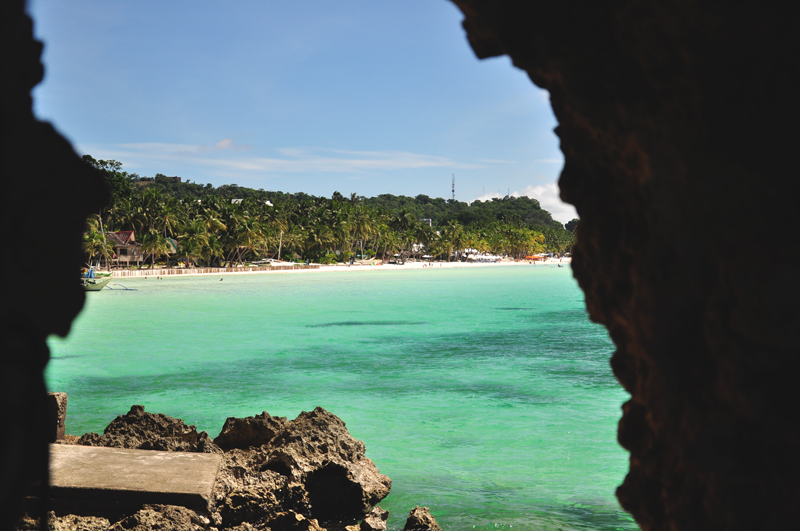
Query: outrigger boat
90,283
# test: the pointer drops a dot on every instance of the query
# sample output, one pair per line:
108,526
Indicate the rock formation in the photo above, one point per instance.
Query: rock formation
375,520
310,465
674,120
152,517
148,518
298,475
249,432
148,431
421,519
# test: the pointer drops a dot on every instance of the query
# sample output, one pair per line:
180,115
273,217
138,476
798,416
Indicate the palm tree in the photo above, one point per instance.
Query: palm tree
453,235
275,220
213,249
193,239
96,245
170,217
246,236
154,245
361,226
319,240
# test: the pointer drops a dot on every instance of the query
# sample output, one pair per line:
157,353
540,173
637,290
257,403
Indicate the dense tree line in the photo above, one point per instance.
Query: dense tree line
232,224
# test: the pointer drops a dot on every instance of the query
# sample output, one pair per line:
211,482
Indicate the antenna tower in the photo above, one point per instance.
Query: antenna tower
454,187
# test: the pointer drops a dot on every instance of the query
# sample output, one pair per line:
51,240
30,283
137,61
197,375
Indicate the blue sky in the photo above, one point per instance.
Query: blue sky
312,96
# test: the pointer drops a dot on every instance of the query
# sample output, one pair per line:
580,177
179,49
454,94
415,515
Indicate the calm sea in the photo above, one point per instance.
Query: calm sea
484,393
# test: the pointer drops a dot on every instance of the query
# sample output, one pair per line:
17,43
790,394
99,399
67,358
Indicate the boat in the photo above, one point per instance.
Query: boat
95,284
92,283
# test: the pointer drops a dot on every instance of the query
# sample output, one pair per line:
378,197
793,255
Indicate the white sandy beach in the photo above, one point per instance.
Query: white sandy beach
139,273
425,265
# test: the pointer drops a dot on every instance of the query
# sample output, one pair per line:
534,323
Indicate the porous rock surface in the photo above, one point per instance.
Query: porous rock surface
166,517
141,430
69,522
375,520
421,519
298,475
311,466
148,518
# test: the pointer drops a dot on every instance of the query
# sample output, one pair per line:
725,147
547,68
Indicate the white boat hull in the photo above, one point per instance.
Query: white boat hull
95,284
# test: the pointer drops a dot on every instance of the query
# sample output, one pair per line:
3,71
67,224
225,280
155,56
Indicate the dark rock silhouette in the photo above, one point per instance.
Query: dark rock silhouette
674,120
421,519
46,189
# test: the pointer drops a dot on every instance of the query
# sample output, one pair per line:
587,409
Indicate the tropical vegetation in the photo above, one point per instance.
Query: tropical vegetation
228,225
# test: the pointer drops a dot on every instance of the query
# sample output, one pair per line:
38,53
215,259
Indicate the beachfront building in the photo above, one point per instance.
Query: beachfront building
128,250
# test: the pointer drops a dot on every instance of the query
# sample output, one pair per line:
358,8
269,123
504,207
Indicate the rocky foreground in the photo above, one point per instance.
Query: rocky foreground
306,474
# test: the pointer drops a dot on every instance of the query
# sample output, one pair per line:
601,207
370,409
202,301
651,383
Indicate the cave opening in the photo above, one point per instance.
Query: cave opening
664,144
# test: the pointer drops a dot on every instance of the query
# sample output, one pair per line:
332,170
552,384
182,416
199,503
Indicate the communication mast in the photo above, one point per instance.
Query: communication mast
454,187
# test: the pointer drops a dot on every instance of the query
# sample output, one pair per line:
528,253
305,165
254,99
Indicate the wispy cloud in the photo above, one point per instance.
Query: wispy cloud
161,150
225,154
548,197
550,161
497,161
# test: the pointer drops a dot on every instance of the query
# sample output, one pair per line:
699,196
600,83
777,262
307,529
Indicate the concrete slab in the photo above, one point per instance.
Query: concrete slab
87,473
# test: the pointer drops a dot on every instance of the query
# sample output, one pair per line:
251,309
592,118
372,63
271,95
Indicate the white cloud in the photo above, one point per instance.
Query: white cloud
548,197
290,152
290,160
497,161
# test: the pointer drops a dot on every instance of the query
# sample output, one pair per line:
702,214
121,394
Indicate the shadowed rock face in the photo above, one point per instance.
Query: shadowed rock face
150,431
250,431
310,465
421,519
673,122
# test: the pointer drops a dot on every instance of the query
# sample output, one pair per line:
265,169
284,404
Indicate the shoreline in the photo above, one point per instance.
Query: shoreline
255,270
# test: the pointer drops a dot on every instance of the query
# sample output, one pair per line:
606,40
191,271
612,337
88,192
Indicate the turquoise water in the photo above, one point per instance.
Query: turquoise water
484,393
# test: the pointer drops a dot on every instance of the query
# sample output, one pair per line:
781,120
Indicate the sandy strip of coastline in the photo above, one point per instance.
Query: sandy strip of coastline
145,273
438,265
